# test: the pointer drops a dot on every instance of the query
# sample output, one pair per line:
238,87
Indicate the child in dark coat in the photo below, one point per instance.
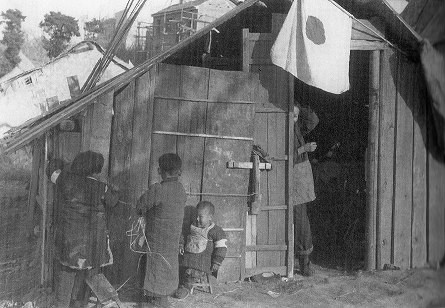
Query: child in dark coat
81,231
162,206
203,248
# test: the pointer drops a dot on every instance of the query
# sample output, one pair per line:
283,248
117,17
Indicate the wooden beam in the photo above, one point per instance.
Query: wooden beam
266,247
368,45
233,229
289,180
403,184
372,158
269,109
87,98
247,165
256,198
246,50
397,31
364,29
201,100
420,174
274,207
202,135
34,183
385,169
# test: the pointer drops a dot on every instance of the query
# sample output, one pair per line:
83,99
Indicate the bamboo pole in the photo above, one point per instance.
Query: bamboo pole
44,266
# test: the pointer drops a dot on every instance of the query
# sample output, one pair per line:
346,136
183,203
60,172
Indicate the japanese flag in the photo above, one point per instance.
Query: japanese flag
314,44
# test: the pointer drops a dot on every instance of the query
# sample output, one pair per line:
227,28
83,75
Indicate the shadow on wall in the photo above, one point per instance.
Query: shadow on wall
410,83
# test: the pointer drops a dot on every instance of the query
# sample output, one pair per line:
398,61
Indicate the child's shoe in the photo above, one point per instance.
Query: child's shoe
182,293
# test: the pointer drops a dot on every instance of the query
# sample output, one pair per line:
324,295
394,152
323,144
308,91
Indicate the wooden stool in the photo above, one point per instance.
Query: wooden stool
204,285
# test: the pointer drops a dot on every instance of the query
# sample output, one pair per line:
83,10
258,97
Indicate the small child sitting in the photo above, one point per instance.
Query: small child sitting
204,250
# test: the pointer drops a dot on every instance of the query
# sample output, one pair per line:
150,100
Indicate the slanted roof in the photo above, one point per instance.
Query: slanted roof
24,96
77,48
398,31
180,6
24,65
38,127
427,18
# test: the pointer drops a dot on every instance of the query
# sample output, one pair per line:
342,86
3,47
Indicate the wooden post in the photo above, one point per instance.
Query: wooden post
34,185
289,173
256,198
246,52
372,158
44,265
385,177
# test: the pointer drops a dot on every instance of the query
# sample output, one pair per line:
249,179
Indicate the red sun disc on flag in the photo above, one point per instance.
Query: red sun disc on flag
315,30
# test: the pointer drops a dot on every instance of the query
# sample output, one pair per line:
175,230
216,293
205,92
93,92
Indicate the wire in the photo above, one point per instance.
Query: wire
137,232
124,24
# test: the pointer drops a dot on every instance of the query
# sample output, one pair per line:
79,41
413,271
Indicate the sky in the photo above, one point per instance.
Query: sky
85,10
34,10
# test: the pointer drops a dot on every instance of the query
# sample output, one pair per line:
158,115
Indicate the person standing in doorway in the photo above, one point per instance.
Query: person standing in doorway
305,120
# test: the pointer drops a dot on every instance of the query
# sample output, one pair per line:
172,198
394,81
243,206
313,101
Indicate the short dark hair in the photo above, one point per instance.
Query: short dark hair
206,205
53,165
170,162
87,163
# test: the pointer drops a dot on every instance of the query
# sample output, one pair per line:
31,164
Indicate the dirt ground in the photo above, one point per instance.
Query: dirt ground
327,288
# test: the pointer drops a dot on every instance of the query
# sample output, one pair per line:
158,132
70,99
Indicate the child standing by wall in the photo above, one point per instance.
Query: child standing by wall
204,250
162,206
81,233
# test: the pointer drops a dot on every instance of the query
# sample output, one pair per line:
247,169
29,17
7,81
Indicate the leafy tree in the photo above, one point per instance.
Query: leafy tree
93,27
5,66
13,38
60,28
100,30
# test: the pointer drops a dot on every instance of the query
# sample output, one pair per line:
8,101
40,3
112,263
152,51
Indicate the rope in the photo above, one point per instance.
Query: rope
137,234
369,28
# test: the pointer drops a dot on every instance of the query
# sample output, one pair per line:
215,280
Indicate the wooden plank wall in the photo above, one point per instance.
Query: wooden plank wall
229,119
193,100
96,129
267,232
118,125
119,174
410,228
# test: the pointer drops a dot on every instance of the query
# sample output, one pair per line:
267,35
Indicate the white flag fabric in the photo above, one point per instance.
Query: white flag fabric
314,45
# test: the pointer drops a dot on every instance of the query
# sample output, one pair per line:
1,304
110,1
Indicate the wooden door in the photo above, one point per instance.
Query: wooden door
269,234
207,117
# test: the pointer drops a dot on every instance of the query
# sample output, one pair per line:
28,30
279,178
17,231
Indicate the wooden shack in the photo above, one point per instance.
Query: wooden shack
212,117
